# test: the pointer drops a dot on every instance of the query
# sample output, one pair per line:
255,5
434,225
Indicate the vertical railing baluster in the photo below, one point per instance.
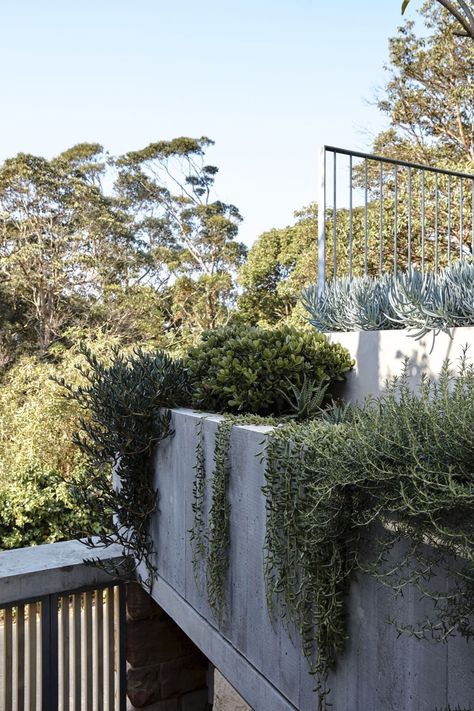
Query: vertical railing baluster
99,650
381,219
449,219
334,215
395,222
436,223
32,656
122,666
20,656
409,219
422,221
65,655
322,222
461,225
350,217
110,648
8,659
49,652
472,217
76,651
366,232
87,649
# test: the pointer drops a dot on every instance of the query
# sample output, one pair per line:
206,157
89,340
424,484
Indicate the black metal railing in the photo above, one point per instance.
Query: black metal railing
378,214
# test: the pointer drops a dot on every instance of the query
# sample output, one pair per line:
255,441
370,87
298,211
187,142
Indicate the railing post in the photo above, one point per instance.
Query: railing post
49,652
122,646
322,221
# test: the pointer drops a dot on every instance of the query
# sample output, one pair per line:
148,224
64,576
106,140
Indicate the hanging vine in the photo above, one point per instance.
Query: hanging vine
210,535
198,537
219,520
397,471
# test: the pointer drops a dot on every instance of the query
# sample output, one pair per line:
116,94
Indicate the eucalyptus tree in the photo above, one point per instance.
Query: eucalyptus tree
461,10
168,190
61,238
429,96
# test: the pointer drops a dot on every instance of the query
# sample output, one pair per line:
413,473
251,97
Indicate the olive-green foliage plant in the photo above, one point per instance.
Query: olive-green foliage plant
38,506
397,470
125,404
419,302
241,369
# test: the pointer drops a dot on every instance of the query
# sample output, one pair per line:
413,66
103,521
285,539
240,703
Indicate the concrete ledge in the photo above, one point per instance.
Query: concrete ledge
29,573
380,354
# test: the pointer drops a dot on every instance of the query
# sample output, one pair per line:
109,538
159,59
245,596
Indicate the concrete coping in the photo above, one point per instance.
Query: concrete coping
213,417
31,573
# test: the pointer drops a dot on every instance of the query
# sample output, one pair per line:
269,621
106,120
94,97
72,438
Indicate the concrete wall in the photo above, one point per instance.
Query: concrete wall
377,672
379,355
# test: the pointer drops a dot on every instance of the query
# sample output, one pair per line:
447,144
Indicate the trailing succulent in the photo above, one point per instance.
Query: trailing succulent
125,405
419,302
358,304
241,369
398,473
210,534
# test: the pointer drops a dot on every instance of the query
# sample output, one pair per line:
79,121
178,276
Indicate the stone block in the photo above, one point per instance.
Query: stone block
195,701
140,606
154,641
166,705
181,675
143,685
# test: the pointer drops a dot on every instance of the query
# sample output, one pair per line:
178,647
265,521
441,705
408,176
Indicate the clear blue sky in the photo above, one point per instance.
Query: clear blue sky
268,80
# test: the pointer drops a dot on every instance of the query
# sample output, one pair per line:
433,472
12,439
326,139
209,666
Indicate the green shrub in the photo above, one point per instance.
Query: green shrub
39,507
245,369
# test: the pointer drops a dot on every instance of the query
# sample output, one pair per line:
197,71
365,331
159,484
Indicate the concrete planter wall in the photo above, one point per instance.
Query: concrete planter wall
377,672
380,354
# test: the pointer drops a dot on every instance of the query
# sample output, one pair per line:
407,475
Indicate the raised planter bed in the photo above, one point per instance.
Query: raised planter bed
378,670
380,354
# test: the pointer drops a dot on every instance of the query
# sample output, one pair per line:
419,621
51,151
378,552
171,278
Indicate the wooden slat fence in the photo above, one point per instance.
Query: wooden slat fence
64,652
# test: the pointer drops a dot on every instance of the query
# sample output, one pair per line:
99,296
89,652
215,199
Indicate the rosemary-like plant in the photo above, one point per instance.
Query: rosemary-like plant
398,469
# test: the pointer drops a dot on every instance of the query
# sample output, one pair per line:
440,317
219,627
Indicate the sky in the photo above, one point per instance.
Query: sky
269,81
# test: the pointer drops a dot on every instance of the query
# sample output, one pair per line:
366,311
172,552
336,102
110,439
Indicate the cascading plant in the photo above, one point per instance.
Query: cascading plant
393,480
125,403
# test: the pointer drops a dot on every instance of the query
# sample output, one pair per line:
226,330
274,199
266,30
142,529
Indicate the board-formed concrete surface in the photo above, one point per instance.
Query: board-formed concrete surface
378,671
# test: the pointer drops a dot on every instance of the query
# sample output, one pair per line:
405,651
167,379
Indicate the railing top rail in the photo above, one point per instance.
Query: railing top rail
394,161
29,573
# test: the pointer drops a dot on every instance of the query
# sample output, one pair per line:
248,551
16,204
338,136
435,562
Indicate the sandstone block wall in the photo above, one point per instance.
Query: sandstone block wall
166,671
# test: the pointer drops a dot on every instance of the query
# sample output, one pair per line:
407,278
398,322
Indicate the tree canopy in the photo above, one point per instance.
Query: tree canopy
429,96
462,12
